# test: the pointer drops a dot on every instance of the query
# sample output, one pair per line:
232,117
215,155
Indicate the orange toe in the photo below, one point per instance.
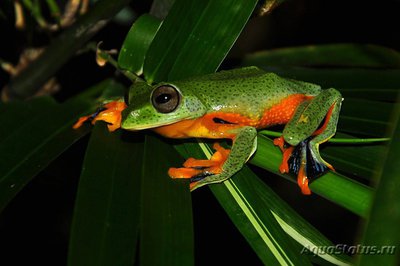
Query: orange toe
224,153
192,185
284,167
191,162
280,142
302,181
80,121
330,167
201,168
183,172
112,115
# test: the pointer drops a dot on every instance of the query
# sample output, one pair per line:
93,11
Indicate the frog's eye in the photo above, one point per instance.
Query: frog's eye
165,98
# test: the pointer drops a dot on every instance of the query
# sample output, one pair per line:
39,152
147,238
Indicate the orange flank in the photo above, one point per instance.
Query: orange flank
207,127
282,112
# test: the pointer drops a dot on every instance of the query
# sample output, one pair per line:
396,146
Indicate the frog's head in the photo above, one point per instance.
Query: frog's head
159,105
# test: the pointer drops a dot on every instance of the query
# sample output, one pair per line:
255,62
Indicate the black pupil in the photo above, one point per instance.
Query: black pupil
163,98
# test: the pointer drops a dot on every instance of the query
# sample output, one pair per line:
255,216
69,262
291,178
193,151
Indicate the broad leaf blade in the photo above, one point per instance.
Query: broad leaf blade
246,198
365,117
106,216
166,233
382,230
23,112
190,43
265,235
35,142
137,42
43,131
345,79
339,189
358,160
333,55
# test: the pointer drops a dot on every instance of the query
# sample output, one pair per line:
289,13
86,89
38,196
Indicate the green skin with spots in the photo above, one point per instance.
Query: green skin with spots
246,91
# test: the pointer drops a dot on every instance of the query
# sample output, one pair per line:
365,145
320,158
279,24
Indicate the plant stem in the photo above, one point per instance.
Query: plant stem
270,133
30,80
109,59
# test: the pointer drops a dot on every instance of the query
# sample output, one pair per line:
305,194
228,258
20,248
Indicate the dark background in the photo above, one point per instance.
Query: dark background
34,227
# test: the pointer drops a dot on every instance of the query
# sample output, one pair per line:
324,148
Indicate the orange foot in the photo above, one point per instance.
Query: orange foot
287,152
296,167
302,181
196,170
110,113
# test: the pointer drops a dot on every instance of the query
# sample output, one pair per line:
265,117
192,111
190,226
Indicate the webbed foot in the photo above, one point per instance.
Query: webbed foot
196,170
110,113
301,161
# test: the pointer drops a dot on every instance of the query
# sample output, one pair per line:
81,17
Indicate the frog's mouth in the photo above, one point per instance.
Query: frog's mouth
132,126
143,127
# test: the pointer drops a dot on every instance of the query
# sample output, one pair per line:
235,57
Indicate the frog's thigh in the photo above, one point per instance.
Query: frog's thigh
327,133
310,114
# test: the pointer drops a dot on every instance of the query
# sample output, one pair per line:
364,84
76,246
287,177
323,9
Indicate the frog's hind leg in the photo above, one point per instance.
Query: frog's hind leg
223,164
305,165
314,123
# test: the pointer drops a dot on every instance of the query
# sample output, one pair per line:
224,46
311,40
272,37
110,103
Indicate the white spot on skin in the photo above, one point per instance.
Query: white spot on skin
12,186
134,114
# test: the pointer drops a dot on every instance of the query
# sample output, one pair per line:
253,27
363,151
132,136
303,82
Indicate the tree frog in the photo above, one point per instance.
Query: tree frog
233,105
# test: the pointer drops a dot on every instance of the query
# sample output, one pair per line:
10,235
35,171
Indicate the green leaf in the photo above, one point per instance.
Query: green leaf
137,42
23,112
106,215
360,160
34,133
258,226
345,79
382,230
370,118
35,143
338,55
344,146
339,189
166,232
246,198
190,43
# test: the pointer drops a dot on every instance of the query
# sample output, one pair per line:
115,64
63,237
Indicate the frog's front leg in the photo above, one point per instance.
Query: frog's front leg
109,112
223,164
313,123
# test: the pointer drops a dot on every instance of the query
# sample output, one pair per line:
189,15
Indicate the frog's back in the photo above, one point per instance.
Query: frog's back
248,91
